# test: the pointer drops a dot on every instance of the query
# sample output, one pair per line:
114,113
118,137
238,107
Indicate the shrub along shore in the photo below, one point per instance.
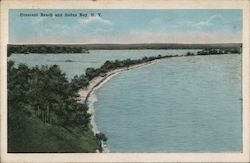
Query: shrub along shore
44,111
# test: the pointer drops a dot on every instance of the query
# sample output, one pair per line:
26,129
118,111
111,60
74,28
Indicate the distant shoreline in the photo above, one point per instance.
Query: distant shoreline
86,93
84,48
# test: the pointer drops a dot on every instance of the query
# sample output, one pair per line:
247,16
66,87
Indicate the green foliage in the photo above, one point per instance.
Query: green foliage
43,113
77,48
79,82
45,49
43,108
29,134
91,73
216,51
189,54
102,137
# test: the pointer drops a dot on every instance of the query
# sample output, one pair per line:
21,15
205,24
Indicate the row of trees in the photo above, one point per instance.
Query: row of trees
44,114
110,65
42,102
45,92
25,49
212,51
82,81
44,97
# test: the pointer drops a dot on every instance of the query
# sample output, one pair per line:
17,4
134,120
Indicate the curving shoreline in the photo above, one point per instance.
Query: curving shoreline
87,95
95,82
91,102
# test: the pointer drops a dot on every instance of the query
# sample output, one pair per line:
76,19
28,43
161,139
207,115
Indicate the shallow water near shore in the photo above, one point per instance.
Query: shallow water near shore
184,104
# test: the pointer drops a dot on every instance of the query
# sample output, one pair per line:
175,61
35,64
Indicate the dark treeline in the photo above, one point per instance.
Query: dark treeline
211,51
44,49
216,51
82,81
83,48
44,114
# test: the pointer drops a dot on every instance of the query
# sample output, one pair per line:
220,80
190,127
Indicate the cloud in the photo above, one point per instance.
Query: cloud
94,19
188,24
207,22
133,37
181,37
95,29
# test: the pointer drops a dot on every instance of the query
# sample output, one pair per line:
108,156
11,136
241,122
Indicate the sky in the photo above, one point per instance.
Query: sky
126,26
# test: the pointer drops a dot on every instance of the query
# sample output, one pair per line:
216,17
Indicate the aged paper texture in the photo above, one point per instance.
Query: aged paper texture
125,81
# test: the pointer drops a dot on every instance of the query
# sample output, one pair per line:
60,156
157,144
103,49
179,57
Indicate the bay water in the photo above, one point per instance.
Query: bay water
185,104
182,104
79,62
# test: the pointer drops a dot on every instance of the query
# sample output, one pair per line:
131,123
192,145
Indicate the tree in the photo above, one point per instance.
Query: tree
102,137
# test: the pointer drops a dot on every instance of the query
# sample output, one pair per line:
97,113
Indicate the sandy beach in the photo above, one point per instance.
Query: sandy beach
95,82
87,95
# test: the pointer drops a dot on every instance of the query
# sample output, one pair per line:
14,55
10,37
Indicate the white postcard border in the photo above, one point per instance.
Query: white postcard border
126,4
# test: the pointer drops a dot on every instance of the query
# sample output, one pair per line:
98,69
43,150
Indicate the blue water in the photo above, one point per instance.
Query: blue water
93,59
185,104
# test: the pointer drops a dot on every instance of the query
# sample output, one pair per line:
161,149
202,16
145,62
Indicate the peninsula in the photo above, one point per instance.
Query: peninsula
45,102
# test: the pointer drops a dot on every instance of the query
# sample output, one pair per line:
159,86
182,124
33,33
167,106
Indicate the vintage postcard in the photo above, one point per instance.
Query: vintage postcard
125,81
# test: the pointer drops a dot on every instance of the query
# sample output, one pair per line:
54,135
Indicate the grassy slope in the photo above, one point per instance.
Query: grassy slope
29,134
